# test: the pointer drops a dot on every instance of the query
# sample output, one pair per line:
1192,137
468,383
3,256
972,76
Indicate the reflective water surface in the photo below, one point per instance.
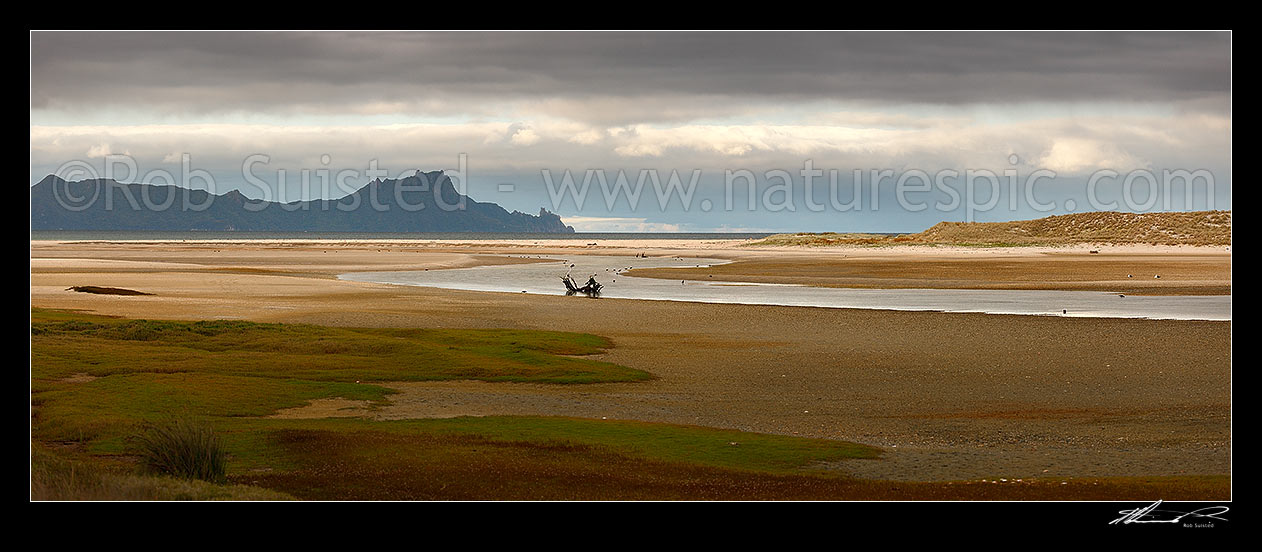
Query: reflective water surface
545,278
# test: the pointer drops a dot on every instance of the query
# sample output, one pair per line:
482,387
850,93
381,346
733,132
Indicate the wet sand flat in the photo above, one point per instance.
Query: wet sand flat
1135,273
948,396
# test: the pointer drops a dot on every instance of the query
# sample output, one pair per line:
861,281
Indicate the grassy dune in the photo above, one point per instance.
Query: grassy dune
1107,227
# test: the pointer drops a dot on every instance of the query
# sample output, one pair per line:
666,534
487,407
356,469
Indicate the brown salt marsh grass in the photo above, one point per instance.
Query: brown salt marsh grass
56,475
123,411
93,423
315,353
391,466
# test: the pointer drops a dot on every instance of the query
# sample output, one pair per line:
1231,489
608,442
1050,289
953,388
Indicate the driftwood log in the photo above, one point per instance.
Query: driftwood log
592,287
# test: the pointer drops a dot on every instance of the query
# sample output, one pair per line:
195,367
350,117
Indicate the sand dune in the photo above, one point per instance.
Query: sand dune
1104,227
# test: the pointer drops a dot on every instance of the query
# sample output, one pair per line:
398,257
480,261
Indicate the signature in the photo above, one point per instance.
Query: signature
1150,514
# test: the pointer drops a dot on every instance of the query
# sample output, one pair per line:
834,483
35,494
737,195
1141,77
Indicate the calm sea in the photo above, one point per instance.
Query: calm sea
90,235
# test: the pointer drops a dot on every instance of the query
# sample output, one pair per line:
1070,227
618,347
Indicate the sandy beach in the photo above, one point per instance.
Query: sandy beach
948,396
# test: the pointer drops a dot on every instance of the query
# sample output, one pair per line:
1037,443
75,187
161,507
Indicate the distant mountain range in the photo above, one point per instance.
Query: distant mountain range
419,203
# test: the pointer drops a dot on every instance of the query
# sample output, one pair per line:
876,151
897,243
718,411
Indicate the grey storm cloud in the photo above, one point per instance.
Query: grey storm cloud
213,71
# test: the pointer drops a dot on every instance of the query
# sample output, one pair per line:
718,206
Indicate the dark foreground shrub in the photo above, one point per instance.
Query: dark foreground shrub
183,448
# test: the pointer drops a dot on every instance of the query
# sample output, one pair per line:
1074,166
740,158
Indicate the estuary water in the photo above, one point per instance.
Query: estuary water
545,278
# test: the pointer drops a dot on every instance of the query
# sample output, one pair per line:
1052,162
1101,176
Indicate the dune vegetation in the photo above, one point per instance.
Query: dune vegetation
1104,227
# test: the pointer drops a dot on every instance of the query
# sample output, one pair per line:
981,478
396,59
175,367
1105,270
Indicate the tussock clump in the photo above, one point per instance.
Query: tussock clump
184,448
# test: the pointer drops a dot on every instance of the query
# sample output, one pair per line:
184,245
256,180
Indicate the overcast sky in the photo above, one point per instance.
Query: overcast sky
517,103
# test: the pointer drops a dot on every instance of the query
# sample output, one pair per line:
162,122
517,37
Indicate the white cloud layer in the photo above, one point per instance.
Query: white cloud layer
1070,145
